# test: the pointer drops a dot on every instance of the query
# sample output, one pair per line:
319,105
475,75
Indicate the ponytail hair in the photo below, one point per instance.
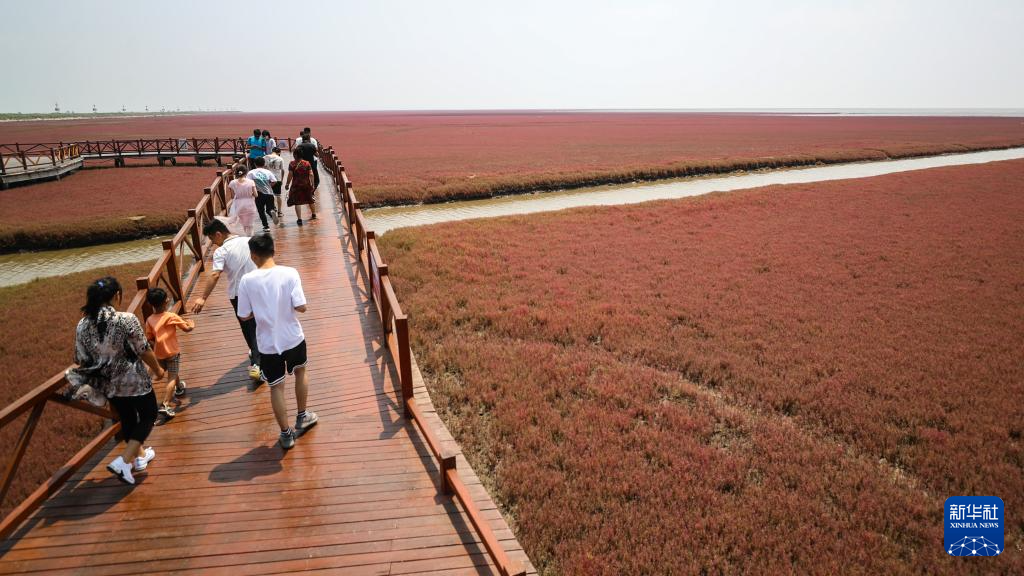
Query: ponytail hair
98,295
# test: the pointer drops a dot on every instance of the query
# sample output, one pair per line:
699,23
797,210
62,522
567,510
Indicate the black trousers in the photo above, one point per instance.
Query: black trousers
264,206
137,415
249,332
316,174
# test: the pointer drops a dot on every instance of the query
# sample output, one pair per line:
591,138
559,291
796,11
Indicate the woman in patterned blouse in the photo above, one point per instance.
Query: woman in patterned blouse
112,354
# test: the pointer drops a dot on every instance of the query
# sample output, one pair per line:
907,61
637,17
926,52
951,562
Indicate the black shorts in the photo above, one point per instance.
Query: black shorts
276,187
273,366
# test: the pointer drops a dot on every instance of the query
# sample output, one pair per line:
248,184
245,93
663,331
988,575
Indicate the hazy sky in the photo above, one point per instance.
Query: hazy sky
382,55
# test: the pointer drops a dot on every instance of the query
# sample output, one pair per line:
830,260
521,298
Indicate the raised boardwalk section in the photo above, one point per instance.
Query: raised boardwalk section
361,493
28,163
37,162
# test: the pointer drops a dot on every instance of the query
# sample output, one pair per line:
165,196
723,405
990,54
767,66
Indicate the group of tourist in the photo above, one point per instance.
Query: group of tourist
113,349
256,187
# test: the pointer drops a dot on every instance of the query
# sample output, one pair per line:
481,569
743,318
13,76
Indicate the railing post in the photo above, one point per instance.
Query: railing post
222,190
385,302
197,238
142,284
172,271
211,210
404,359
447,462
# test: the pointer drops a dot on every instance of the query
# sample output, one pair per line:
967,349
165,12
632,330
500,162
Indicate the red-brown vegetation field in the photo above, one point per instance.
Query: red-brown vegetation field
37,340
406,157
95,206
782,380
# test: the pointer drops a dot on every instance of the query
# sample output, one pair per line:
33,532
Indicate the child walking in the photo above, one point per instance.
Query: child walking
162,331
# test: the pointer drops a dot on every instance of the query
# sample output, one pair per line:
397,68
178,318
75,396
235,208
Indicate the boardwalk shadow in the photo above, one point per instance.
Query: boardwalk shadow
381,370
260,461
88,499
234,379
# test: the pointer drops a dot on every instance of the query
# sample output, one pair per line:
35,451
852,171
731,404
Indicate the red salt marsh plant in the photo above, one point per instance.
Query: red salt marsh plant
37,340
98,206
404,157
783,380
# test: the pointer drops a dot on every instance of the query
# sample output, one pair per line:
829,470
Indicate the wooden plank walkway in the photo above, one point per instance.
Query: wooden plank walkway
357,495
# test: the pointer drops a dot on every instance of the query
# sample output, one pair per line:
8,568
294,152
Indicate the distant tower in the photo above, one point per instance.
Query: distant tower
93,108
123,109
56,107
147,108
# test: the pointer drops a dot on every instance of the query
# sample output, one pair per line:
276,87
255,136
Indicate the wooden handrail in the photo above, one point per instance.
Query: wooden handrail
506,565
396,338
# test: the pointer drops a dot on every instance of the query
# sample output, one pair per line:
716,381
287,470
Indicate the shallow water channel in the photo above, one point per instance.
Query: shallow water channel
23,267
381,220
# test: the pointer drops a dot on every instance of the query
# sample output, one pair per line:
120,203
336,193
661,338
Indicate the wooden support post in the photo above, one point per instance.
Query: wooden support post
211,210
19,448
222,190
142,284
172,270
447,462
404,356
197,238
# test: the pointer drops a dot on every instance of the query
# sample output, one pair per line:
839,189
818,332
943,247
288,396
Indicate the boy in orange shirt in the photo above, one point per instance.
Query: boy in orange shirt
162,330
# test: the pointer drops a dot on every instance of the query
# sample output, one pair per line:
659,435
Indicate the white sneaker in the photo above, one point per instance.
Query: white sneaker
142,462
122,470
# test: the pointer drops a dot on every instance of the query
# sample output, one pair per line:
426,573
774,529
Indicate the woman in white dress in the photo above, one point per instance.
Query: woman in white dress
243,207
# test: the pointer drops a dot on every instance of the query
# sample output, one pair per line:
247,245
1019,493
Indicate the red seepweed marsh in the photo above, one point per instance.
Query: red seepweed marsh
785,379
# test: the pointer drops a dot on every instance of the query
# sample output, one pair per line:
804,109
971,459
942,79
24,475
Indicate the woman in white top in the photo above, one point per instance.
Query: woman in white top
243,208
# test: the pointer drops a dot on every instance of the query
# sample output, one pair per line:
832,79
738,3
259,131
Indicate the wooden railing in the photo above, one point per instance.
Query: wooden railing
177,270
171,147
30,156
396,335
35,156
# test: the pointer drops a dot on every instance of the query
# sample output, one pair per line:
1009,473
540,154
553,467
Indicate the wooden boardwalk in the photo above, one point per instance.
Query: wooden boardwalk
38,168
357,495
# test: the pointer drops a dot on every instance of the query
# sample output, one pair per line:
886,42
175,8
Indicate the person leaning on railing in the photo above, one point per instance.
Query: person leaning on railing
112,354
231,258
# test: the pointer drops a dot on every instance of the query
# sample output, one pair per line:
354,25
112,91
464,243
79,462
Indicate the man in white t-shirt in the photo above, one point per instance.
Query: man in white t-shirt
307,132
275,164
272,295
232,258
